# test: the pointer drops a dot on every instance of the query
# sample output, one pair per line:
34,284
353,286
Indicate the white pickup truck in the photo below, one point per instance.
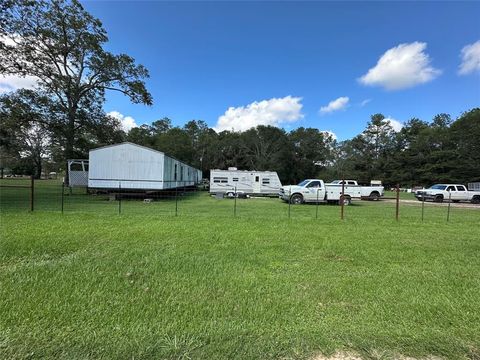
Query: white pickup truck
455,192
315,190
372,192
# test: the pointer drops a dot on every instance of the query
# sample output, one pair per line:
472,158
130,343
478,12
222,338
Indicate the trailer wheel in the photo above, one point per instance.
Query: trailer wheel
374,196
476,199
296,199
438,199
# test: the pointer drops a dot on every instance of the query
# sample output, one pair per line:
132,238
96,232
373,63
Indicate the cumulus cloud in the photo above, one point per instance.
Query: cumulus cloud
401,67
329,133
127,122
470,59
274,112
335,105
395,124
11,83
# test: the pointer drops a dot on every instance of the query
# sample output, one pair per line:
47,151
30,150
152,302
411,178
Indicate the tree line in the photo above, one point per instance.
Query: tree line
61,45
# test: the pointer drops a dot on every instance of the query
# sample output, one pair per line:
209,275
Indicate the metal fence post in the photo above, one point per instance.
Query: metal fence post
449,202
32,192
397,205
342,200
423,206
316,206
119,198
63,194
289,205
176,199
235,202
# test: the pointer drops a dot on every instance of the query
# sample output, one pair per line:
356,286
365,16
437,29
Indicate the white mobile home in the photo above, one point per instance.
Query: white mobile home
244,182
131,166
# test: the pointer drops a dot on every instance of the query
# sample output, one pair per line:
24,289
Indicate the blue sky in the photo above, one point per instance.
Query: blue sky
205,57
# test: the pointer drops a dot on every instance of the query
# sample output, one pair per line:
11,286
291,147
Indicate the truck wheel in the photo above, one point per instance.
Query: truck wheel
476,199
347,200
296,199
438,199
374,196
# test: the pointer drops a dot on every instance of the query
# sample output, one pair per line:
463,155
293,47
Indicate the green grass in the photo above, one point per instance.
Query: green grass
146,284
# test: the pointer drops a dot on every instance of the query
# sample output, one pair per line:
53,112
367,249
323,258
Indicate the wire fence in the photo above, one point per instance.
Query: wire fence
28,195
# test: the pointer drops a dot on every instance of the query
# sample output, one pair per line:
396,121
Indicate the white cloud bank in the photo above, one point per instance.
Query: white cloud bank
335,105
401,67
470,59
395,124
272,112
127,122
12,82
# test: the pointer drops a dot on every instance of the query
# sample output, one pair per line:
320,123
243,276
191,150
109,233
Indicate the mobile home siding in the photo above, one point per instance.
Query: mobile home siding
130,166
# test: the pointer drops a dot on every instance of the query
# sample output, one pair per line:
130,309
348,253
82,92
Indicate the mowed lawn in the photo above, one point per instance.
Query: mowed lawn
146,284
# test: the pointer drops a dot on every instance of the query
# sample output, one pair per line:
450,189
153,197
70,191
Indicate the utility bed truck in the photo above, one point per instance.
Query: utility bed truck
372,192
454,192
315,190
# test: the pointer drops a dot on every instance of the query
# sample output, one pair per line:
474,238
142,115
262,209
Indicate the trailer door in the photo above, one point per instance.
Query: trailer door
256,184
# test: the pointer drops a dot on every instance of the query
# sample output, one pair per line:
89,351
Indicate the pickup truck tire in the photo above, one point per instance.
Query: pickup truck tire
347,200
476,199
374,196
438,198
296,199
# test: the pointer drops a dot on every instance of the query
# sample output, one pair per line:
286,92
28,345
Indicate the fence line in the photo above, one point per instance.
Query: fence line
42,195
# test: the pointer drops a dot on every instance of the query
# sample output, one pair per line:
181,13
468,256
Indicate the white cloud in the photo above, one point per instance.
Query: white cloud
272,112
395,124
335,105
470,59
401,67
12,82
328,133
365,102
127,122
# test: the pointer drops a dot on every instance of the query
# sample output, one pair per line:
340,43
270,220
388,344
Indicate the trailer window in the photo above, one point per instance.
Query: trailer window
235,179
181,173
222,180
257,178
265,181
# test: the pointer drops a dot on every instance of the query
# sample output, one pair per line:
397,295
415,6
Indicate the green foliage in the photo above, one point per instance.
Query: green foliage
61,45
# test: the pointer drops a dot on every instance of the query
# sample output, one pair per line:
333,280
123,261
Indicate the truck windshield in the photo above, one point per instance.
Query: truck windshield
303,183
336,182
438,187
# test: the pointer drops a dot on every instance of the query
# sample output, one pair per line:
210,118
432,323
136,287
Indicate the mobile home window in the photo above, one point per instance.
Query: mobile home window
257,178
222,180
181,173
175,173
265,181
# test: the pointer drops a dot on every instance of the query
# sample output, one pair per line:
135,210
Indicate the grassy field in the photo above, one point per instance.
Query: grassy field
146,284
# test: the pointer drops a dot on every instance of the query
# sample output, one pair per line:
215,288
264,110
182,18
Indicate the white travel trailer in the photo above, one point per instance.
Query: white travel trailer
134,167
244,182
